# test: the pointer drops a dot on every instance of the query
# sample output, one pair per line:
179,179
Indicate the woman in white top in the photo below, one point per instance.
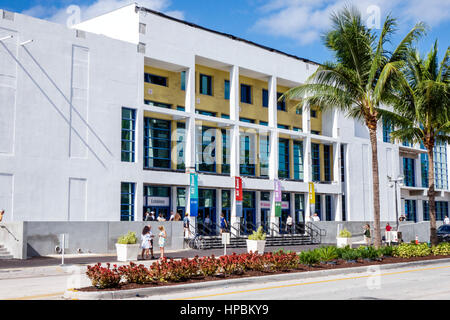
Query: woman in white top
162,240
145,242
289,224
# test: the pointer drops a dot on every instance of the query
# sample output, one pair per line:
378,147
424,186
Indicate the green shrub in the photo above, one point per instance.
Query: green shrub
350,254
344,233
442,249
368,252
257,235
129,238
386,251
327,253
309,258
407,250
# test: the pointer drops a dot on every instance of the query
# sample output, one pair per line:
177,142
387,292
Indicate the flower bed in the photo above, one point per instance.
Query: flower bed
170,272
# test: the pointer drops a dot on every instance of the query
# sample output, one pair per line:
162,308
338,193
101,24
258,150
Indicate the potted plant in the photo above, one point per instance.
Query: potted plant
127,247
256,241
344,238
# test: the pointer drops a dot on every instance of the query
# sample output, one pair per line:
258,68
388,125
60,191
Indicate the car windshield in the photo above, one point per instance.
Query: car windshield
444,229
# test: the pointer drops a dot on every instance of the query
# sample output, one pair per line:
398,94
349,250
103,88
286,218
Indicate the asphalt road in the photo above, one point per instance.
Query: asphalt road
410,283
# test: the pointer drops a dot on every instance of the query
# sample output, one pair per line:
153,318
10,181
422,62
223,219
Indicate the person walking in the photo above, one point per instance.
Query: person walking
162,240
446,220
147,216
186,225
177,217
208,224
172,216
152,216
367,234
223,223
289,224
161,218
145,243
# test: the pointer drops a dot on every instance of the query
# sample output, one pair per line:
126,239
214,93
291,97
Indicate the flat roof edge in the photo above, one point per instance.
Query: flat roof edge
139,8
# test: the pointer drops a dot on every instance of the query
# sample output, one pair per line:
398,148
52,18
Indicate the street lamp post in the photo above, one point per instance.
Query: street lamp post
393,183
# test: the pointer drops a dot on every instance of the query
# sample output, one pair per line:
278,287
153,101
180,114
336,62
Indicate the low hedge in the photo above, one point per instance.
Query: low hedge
235,264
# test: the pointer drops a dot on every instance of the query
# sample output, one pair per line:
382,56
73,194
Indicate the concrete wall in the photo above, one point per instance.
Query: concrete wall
41,238
12,237
409,230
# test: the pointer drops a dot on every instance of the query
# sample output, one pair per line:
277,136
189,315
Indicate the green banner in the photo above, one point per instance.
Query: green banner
277,209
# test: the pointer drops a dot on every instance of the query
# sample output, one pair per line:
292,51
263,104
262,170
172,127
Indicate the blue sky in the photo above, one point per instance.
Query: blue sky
293,26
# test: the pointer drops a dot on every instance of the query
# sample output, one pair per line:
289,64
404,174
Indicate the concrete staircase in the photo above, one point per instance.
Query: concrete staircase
4,254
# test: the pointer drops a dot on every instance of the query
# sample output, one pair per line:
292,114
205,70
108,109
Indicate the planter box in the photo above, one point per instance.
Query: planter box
342,242
256,245
127,252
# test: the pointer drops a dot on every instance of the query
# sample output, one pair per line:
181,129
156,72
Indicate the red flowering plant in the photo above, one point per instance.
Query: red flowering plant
208,265
282,261
136,274
232,264
102,277
254,261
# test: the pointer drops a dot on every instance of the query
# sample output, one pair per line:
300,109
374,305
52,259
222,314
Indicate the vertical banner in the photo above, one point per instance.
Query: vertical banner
239,195
277,187
193,190
312,194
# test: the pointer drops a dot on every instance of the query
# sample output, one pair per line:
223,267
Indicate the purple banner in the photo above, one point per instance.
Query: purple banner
277,187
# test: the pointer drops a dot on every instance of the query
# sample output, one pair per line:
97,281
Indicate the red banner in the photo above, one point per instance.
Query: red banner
238,187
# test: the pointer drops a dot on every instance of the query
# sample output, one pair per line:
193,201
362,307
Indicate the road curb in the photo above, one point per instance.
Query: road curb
123,294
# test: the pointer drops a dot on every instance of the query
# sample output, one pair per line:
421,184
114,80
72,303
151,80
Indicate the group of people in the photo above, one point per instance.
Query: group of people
150,216
147,242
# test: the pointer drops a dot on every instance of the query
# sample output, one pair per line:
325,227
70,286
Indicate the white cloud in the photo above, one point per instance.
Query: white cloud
305,20
59,15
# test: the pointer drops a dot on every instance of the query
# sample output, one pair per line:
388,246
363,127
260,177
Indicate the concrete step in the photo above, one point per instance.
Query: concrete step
3,251
6,256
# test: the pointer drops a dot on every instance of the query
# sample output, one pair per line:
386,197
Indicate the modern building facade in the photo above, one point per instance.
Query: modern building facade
107,120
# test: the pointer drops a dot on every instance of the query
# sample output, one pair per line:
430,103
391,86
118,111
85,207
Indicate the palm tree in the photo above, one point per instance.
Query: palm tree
422,111
359,80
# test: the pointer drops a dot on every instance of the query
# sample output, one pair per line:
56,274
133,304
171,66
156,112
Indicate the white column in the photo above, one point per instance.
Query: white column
337,200
173,199
190,120
218,205
273,147
234,139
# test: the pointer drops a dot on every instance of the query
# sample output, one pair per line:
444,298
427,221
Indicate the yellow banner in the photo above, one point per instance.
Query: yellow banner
312,194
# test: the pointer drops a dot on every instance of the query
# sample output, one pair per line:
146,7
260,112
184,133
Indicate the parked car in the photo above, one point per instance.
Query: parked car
443,233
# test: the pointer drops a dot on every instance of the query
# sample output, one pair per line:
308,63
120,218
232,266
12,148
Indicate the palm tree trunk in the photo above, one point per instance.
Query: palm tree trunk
376,186
431,198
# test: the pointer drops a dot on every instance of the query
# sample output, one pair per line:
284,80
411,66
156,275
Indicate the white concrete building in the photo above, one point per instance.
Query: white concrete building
106,120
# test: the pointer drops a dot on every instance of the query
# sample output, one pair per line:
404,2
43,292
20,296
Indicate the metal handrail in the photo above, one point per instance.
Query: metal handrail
247,223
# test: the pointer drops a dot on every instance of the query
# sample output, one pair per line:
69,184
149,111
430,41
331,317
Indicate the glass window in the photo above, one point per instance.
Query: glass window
247,120
226,199
183,80
283,156
205,84
318,206
299,110
281,105
409,172
246,93
298,160
128,134
154,79
315,132
315,156
263,123
156,143
206,149
327,162
127,195
314,113
206,113
265,98
387,129
180,108
157,104
328,208
410,210
297,129
225,116
342,163
441,210
282,126
225,152
247,155
227,89
264,155
181,144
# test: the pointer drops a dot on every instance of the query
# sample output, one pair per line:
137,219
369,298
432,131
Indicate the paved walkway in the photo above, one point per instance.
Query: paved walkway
85,259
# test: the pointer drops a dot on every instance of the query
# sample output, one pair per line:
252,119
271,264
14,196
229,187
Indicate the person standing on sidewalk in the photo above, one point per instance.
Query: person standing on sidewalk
367,235
289,224
162,240
223,224
446,220
145,243
186,225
